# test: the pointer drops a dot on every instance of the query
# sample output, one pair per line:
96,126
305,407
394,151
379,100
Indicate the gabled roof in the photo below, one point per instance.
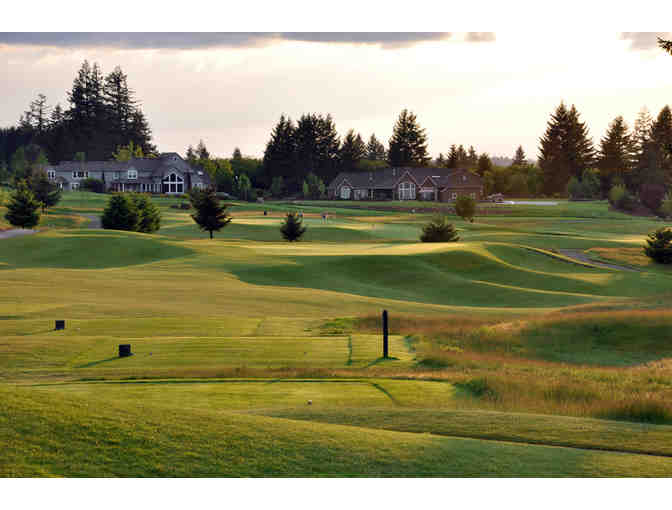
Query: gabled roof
388,178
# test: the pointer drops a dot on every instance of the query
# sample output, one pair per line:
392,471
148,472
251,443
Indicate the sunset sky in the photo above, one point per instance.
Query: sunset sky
493,90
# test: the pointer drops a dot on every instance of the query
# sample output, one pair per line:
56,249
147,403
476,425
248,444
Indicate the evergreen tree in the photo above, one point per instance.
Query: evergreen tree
37,117
472,157
352,151
519,159
142,134
210,215
565,149
659,246
484,164
462,158
375,151
18,165
316,147
237,155
465,207
120,106
202,151
661,138
23,208
120,213
440,162
190,156
280,154
292,228
452,157
46,192
243,187
665,45
149,215
615,155
408,145
439,230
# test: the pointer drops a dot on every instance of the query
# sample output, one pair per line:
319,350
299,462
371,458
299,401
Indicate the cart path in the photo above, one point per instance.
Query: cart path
94,221
582,257
6,234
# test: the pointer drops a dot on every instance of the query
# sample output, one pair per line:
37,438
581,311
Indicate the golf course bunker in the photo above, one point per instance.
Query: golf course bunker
86,250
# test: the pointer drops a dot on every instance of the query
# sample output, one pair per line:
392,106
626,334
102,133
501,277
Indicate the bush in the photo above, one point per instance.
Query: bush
574,188
620,198
616,194
23,207
465,207
652,196
292,228
91,184
659,246
121,213
149,216
439,230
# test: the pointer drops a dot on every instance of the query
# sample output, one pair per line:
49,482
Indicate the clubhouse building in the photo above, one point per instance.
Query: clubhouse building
437,184
168,174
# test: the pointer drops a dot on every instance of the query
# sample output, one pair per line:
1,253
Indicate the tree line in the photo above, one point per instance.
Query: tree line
101,114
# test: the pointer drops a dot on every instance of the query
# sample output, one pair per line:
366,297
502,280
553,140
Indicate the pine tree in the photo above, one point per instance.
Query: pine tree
484,164
661,139
665,45
439,230
237,155
440,162
37,117
565,149
292,228
462,158
615,155
280,153
46,192
210,215
149,215
452,157
472,157
375,151
408,145
519,159
120,213
352,151
23,208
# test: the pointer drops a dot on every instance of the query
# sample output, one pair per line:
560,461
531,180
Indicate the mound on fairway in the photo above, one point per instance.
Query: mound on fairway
86,250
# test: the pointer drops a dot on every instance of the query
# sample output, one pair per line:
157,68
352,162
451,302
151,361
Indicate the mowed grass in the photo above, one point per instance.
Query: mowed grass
499,367
47,434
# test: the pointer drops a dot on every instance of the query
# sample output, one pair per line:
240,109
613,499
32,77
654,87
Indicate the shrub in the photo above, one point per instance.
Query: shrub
149,216
616,194
620,198
465,207
439,230
23,207
121,213
91,184
292,228
574,188
659,246
652,196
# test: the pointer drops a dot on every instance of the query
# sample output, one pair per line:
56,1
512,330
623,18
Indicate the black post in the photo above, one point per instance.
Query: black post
60,324
124,350
385,332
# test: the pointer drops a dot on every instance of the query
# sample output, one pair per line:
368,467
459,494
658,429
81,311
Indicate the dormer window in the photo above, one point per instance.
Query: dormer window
132,174
51,174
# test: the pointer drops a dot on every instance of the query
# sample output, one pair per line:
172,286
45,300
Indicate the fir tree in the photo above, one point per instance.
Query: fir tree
615,155
202,151
565,149
375,151
210,215
46,192
237,155
352,151
440,162
23,208
280,154
484,164
452,157
519,159
408,145
661,139
120,213
439,230
292,228
472,157
149,215
462,159
665,45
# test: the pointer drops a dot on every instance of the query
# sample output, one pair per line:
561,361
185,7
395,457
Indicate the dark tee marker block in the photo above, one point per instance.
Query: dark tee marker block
124,350
60,325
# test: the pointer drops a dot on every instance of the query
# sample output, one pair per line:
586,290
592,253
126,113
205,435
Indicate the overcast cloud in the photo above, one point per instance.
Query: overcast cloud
644,40
200,40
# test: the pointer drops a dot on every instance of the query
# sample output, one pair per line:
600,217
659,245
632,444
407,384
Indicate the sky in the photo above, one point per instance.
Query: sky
493,90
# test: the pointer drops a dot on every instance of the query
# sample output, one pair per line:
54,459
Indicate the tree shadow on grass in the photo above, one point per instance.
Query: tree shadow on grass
100,361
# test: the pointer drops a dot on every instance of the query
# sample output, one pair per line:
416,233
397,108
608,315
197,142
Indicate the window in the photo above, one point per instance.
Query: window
79,174
51,174
115,175
132,174
345,192
173,183
473,195
74,185
453,195
407,191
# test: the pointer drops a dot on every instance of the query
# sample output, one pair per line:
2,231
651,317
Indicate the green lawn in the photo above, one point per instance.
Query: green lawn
504,352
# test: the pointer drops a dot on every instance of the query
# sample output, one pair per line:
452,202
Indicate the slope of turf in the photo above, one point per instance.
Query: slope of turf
44,434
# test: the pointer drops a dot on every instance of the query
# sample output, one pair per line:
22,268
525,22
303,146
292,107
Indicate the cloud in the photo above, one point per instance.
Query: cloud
480,37
200,40
643,40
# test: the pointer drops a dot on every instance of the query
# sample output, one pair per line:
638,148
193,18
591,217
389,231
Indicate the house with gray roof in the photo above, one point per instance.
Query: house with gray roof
406,183
168,174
